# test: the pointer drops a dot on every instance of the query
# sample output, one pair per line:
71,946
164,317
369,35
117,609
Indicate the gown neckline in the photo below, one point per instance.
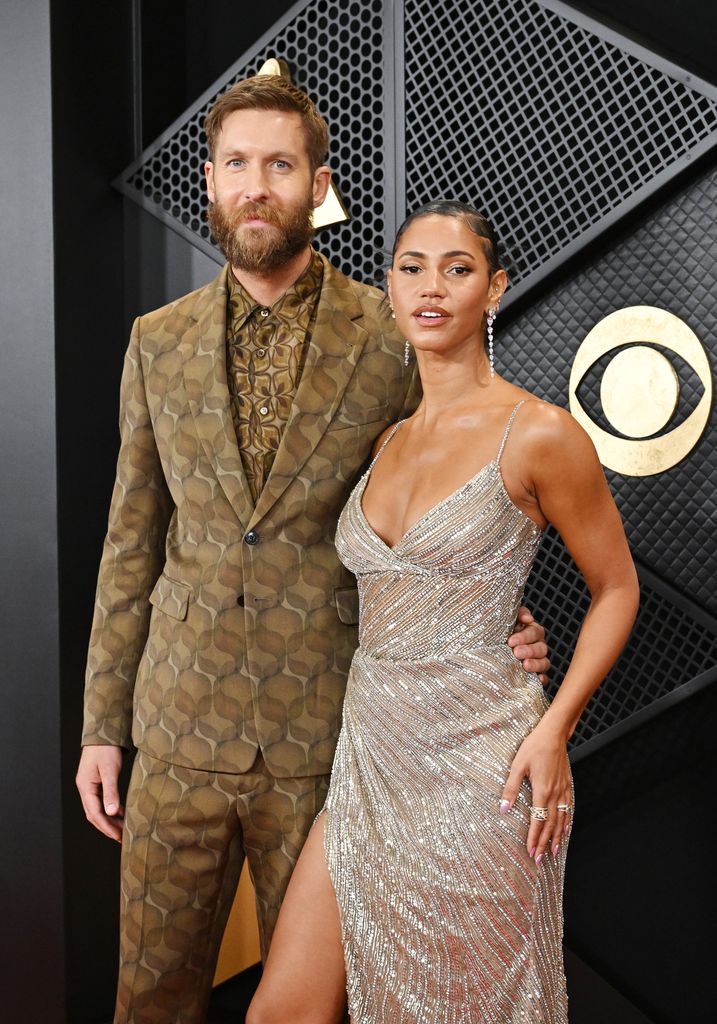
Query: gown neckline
434,508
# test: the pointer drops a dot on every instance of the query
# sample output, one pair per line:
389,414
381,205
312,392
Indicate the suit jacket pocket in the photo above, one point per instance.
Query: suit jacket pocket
346,600
171,597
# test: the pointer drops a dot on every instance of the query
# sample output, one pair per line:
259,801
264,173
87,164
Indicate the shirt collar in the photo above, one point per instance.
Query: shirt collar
303,292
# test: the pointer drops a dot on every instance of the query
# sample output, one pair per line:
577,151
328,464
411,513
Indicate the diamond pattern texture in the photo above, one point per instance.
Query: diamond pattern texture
543,125
669,261
335,53
551,130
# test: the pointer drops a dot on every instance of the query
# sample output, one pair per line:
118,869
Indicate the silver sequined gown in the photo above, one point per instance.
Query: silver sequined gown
445,918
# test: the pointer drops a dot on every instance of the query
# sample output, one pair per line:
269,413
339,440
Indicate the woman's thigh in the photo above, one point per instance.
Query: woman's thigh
304,977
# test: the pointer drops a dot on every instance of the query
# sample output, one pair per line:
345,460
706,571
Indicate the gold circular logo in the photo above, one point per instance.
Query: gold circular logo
640,389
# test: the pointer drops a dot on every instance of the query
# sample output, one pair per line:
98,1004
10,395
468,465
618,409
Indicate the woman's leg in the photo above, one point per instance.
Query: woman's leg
304,981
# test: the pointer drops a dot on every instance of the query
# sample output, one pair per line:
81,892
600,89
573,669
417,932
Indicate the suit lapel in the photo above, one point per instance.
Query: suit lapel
205,380
336,343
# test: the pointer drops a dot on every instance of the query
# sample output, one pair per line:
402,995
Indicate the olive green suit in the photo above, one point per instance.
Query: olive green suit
223,632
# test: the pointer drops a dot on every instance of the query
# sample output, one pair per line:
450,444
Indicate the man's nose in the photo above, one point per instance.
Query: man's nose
255,185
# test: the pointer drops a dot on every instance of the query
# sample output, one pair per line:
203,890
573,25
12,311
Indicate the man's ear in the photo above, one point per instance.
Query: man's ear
209,176
322,180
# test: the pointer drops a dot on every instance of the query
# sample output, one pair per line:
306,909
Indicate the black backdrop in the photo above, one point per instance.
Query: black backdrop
639,845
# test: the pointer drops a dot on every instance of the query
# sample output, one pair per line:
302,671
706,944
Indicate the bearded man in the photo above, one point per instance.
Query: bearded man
224,623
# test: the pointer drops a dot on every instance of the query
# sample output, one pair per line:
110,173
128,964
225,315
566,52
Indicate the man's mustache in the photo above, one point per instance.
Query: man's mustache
251,210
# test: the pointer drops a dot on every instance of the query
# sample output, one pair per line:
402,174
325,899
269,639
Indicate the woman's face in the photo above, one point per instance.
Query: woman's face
440,285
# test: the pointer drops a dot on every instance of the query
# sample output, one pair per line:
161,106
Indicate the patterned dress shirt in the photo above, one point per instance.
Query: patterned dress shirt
266,351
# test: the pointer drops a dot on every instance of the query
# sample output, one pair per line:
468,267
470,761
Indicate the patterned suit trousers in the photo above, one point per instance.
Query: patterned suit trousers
186,834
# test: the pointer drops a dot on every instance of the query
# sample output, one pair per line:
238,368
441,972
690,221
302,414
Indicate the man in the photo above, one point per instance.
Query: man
224,623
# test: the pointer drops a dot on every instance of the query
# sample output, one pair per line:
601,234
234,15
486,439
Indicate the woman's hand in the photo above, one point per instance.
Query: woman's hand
542,759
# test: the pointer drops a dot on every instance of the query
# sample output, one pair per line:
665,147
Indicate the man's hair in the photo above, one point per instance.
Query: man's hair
271,92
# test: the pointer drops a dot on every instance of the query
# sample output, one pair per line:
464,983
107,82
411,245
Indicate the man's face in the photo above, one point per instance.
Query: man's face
262,189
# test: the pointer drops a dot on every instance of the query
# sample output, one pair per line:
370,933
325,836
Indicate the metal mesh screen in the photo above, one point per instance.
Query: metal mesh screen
544,125
666,648
670,262
554,131
335,52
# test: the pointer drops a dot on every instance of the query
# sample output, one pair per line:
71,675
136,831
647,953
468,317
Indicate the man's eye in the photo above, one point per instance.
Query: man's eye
281,164
236,163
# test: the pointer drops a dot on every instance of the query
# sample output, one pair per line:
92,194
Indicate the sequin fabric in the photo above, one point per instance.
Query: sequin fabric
445,918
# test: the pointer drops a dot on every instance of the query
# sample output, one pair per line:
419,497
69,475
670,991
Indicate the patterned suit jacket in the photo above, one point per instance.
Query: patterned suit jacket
221,627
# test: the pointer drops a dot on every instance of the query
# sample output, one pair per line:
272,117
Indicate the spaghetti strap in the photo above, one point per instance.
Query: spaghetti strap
379,453
507,429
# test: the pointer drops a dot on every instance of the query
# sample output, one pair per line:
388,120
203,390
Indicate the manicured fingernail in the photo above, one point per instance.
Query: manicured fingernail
538,859
505,806
111,808
531,853
556,849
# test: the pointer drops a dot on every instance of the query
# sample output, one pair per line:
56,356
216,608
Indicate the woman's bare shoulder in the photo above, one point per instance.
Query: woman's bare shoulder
549,430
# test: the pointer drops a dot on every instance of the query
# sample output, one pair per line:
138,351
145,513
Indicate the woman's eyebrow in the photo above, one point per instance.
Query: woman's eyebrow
446,255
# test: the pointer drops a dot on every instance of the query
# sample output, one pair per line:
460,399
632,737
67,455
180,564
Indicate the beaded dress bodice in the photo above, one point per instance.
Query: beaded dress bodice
455,579
445,918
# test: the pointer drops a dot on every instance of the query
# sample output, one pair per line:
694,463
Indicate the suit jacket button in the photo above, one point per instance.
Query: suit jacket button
252,537
240,600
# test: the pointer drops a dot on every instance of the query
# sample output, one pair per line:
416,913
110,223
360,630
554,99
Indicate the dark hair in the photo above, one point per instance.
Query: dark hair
475,220
271,92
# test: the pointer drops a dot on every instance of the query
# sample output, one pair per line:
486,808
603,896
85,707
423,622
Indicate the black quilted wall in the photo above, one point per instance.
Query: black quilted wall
556,127
669,261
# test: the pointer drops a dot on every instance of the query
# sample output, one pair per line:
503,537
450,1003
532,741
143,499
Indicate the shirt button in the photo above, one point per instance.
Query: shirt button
264,410
240,600
265,312
251,538
261,352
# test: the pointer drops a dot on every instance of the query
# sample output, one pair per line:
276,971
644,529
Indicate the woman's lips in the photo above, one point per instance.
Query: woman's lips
431,317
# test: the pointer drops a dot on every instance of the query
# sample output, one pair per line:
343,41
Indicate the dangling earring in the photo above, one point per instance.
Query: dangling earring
492,313
406,353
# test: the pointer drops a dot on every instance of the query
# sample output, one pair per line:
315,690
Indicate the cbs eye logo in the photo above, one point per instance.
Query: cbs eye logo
640,390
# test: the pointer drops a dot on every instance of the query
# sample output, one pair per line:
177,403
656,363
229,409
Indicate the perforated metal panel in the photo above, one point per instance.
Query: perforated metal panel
666,650
335,52
543,124
555,127
670,262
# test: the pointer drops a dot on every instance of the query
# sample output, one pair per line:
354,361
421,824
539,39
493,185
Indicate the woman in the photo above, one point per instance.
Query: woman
430,888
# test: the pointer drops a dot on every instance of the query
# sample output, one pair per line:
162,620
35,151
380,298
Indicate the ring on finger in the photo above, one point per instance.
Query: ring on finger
565,808
539,813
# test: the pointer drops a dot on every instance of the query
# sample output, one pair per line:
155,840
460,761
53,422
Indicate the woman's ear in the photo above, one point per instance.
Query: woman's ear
498,284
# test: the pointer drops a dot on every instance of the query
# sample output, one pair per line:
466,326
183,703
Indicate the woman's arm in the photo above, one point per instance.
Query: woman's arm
566,482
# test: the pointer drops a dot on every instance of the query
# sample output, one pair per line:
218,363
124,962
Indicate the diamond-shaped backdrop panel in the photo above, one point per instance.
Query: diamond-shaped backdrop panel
666,648
335,52
671,262
536,120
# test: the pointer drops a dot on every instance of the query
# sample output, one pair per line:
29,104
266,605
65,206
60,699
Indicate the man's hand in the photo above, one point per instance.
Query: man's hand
97,778
529,646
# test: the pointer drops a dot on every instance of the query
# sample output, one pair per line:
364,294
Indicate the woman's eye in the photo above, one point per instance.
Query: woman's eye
460,270
409,268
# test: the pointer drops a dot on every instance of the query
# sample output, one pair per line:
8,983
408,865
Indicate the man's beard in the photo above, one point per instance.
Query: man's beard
259,250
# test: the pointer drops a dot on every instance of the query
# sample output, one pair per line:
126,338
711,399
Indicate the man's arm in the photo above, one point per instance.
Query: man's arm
132,559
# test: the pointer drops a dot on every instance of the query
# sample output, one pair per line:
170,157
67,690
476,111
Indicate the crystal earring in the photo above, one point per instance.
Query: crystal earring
492,313
406,353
